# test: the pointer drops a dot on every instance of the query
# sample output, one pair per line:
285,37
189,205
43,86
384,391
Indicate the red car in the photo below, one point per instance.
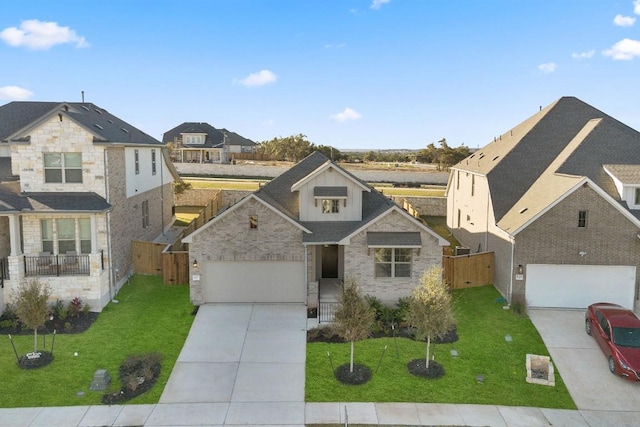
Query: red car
617,332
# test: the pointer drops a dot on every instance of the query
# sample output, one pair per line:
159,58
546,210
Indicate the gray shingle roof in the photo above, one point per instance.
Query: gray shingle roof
330,191
5,170
278,194
214,137
395,239
108,128
11,200
516,160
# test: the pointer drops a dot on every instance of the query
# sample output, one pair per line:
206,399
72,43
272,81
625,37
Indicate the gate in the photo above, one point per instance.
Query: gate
467,271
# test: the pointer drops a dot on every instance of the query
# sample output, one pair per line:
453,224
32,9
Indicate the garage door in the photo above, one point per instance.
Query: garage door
577,286
256,281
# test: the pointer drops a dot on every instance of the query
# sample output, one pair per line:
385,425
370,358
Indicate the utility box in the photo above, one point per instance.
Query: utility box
101,380
462,250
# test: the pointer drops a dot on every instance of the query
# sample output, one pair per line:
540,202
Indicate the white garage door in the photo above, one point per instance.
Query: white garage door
577,286
255,281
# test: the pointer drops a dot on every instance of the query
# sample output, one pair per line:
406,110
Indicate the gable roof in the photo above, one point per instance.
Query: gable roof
214,138
542,157
19,117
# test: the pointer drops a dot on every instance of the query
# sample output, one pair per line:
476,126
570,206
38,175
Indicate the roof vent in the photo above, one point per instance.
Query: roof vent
98,111
84,107
523,210
98,126
495,158
124,130
110,121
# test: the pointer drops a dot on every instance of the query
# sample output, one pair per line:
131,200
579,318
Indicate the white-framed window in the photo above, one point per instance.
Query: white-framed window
253,221
63,167
136,160
582,219
193,139
153,161
145,214
64,235
330,206
392,262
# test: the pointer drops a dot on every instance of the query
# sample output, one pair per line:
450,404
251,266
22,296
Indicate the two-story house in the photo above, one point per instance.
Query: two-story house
557,199
195,142
305,231
77,185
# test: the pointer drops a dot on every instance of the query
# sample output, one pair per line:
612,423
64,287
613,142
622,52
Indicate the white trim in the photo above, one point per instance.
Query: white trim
189,238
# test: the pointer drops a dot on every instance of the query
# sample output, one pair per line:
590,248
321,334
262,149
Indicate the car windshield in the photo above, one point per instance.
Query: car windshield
626,337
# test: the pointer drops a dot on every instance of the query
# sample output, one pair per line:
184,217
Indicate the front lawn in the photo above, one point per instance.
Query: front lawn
482,325
149,317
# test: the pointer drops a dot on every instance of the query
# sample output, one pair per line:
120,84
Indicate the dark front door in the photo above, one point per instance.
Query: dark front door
330,262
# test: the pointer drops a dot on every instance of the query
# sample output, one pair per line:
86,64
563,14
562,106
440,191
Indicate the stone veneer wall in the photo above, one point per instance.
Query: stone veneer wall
232,240
359,260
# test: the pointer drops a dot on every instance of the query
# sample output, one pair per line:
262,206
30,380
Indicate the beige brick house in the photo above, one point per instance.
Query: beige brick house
302,233
77,185
557,198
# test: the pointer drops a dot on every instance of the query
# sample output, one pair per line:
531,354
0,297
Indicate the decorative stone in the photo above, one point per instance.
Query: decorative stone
508,338
101,380
540,370
454,352
480,378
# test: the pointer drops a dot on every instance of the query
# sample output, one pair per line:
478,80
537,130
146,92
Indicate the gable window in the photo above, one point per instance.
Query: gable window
153,161
392,262
63,167
145,214
637,198
136,160
330,206
582,219
253,221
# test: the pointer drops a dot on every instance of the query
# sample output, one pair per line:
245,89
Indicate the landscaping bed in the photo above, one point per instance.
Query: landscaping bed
487,369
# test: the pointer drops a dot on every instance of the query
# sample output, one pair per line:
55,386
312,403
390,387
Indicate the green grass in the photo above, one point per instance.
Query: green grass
150,317
482,325
411,192
186,214
225,184
439,225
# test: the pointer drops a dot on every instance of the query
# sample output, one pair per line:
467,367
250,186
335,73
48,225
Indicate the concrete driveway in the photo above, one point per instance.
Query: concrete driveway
582,364
241,364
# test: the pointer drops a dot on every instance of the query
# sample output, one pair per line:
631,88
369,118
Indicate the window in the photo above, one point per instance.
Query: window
637,199
330,206
153,162
582,219
392,262
145,214
136,156
63,167
473,184
253,221
65,235
193,139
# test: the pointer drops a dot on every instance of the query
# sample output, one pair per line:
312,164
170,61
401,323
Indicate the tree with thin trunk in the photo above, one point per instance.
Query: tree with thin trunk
430,310
354,316
31,306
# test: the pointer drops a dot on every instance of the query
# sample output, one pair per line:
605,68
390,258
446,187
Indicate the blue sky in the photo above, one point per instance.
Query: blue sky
365,74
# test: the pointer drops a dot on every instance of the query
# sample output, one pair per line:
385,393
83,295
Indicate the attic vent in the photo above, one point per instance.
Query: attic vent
124,130
481,156
98,126
471,156
84,107
98,111
110,121
495,158
523,210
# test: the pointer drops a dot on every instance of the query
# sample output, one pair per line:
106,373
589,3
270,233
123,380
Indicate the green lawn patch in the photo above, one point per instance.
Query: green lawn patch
149,317
482,325
439,225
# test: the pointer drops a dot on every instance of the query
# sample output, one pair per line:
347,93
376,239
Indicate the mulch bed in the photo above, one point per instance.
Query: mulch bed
418,368
69,325
44,359
360,375
327,335
137,374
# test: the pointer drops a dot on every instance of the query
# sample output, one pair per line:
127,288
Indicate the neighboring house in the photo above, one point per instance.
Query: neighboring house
77,185
302,233
202,143
557,198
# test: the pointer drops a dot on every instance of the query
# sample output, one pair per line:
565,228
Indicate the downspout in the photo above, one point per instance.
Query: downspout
162,190
306,276
108,217
511,269
486,232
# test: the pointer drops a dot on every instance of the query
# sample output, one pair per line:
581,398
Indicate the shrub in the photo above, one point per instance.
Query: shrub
137,375
59,309
86,308
75,307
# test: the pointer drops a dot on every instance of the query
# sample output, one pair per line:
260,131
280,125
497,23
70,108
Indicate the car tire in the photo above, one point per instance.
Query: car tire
612,365
587,326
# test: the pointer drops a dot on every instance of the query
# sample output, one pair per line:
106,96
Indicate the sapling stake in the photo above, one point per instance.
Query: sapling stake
331,362
14,348
380,361
395,340
53,341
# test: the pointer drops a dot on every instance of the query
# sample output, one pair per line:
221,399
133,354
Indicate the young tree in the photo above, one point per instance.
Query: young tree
354,316
430,310
31,306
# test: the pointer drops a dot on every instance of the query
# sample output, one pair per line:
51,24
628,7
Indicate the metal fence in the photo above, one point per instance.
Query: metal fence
57,265
4,271
326,311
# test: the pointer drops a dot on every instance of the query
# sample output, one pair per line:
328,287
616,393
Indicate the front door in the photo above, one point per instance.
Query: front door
330,262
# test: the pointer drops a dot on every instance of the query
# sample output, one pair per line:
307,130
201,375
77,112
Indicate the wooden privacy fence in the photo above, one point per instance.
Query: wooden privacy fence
172,261
467,271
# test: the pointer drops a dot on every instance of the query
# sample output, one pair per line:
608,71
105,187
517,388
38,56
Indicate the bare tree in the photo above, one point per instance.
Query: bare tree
430,310
31,306
354,316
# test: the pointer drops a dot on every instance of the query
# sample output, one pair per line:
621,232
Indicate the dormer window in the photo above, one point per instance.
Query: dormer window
191,138
330,198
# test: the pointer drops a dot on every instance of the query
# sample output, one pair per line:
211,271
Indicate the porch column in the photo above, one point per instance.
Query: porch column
14,235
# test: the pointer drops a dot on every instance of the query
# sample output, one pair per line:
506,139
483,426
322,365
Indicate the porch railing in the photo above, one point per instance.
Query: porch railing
4,271
326,311
57,265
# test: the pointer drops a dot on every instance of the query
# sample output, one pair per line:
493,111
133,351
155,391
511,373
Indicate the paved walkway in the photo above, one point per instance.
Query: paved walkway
244,365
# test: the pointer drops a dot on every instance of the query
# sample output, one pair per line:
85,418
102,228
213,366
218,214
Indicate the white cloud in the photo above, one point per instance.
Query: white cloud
624,21
624,50
260,78
377,4
346,115
584,55
40,35
636,7
14,93
547,68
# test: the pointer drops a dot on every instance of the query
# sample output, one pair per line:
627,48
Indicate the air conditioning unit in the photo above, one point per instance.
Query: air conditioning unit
462,250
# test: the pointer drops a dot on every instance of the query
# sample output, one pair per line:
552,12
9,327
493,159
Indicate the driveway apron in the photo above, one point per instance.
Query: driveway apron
582,364
241,364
